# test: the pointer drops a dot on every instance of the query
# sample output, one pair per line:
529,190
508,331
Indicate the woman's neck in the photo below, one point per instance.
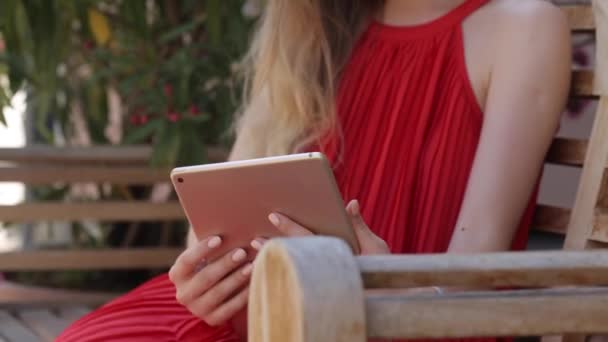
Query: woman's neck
410,12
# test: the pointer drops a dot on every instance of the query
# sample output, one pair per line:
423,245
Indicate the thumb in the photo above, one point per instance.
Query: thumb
369,242
354,212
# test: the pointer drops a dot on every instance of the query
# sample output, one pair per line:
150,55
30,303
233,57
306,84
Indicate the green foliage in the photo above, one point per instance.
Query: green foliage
171,63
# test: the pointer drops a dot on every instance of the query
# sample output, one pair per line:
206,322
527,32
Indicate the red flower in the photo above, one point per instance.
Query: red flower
173,116
134,120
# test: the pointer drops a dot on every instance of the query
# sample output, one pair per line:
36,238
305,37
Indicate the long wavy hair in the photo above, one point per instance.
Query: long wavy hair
293,69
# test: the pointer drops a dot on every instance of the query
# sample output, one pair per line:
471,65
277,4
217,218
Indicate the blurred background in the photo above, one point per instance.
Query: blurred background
158,77
158,73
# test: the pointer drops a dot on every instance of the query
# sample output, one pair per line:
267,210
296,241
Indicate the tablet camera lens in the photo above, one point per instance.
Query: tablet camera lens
180,180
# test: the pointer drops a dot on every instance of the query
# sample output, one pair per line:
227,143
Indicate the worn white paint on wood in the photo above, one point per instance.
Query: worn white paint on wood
306,290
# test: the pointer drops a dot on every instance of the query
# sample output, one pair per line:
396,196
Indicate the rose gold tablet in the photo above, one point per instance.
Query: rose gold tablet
234,199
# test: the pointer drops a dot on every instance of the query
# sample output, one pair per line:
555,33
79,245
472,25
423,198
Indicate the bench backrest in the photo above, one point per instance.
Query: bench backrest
587,223
120,166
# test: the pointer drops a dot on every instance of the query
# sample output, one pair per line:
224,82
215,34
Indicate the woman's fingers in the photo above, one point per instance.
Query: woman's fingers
287,226
227,310
219,293
258,243
211,274
188,261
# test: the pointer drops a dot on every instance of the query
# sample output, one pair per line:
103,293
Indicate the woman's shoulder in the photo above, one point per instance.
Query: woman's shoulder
510,27
518,15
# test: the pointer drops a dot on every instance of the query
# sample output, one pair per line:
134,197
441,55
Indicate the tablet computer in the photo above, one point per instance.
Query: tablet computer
233,199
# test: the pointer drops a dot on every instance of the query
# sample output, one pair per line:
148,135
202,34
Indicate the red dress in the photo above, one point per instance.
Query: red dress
410,128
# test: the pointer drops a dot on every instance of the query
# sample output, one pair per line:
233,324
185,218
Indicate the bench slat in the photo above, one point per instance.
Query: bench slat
103,211
100,154
73,313
580,17
551,219
62,155
569,152
12,330
43,322
600,226
89,259
582,83
497,313
16,295
119,175
522,269
116,175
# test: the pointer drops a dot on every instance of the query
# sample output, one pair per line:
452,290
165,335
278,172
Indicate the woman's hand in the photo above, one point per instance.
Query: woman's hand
369,243
217,291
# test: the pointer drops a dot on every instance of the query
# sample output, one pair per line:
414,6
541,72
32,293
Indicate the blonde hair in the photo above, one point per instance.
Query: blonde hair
292,70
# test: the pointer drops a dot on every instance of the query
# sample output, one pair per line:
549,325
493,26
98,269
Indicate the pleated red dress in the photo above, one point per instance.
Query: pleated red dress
410,128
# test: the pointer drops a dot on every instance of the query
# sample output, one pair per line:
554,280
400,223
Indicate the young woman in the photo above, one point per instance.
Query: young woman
436,115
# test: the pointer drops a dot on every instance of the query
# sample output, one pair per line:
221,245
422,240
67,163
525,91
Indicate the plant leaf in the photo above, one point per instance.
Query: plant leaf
214,21
178,31
139,134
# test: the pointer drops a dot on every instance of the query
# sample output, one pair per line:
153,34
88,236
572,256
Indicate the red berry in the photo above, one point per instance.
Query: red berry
88,44
194,110
168,90
173,116
134,120
143,119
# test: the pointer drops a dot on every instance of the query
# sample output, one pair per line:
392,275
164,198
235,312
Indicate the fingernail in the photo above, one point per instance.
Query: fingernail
214,242
257,245
239,255
247,269
274,219
355,208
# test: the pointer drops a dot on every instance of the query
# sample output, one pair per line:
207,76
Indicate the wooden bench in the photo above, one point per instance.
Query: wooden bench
586,220
129,165
29,314
39,314
37,165
313,289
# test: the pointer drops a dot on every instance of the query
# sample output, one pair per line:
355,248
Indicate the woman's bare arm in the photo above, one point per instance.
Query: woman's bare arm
527,91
